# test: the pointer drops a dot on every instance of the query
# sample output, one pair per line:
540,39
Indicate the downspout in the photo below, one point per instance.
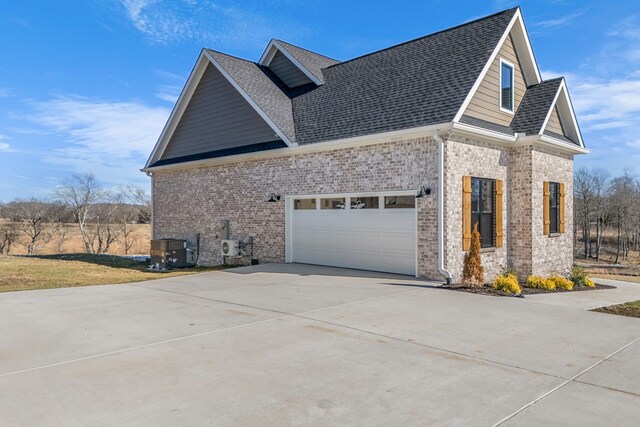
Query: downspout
446,273
150,175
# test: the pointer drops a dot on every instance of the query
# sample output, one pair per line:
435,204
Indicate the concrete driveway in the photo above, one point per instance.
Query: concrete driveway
292,344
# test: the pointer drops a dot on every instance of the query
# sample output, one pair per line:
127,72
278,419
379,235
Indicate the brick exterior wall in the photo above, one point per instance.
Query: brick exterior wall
551,254
196,200
467,157
192,201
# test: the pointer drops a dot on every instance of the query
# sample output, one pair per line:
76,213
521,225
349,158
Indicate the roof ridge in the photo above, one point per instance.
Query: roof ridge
427,36
307,50
231,56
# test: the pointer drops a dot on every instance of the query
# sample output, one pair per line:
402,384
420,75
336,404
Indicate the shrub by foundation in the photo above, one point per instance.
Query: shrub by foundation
507,284
473,272
539,282
561,283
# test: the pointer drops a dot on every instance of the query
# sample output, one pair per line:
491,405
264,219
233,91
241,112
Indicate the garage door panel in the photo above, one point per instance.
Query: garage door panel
371,239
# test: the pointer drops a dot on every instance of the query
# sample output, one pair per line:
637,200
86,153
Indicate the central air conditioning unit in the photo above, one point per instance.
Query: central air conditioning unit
231,248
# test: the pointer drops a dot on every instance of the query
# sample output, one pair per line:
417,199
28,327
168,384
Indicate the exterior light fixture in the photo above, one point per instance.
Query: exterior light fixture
424,192
274,198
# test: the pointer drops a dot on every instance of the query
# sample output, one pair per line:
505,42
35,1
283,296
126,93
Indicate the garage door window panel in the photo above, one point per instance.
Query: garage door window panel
365,202
399,202
304,204
333,203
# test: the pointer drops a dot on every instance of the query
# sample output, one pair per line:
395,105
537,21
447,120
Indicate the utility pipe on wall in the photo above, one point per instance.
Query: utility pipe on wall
446,273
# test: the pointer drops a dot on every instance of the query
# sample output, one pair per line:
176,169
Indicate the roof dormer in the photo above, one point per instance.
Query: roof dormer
293,65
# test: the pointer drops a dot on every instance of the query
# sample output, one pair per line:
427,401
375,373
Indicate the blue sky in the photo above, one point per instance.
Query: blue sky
87,85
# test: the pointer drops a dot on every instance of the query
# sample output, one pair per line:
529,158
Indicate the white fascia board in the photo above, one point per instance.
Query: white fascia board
274,46
566,110
516,20
178,108
297,63
521,37
475,131
550,112
251,102
574,121
357,141
551,142
268,53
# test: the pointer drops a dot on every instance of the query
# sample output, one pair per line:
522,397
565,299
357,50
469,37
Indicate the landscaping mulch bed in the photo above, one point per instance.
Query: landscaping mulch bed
629,309
490,290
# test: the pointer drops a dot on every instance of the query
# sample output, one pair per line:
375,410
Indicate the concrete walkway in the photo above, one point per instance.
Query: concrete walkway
292,344
624,292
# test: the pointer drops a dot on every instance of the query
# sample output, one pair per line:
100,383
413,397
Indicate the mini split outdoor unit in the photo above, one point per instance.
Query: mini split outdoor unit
230,248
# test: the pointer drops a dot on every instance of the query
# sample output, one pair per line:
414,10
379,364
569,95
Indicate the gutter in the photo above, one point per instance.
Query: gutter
446,273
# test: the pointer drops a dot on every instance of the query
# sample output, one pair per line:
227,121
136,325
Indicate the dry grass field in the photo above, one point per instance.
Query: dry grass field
18,273
72,242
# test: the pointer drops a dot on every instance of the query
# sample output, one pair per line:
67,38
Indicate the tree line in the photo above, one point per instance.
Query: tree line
604,202
102,216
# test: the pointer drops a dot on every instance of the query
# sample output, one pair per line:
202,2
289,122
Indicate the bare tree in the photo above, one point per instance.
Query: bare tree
104,230
600,188
139,198
80,193
621,202
126,217
34,218
583,205
8,235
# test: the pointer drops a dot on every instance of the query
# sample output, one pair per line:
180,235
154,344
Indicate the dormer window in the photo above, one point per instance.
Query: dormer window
506,86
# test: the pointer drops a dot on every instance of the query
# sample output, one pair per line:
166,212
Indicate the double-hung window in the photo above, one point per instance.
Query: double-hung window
506,86
483,209
554,207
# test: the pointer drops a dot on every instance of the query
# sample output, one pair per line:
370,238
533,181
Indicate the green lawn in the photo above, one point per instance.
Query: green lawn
61,271
631,309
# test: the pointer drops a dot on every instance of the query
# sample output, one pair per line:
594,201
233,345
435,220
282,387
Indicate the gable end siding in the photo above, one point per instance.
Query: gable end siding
286,71
554,124
485,103
217,118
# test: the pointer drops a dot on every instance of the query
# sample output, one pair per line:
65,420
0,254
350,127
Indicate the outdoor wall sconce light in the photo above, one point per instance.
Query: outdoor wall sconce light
424,192
274,198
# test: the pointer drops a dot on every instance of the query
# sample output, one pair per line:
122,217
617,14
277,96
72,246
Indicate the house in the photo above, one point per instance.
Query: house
381,162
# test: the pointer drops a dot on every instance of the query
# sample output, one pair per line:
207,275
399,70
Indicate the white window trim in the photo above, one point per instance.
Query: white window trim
513,87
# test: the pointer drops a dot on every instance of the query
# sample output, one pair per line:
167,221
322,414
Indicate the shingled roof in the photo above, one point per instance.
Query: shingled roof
535,106
312,61
417,83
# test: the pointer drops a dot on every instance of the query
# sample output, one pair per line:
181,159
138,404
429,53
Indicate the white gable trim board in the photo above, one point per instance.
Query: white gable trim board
183,101
566,114
178,109
523,49
378,239
271,50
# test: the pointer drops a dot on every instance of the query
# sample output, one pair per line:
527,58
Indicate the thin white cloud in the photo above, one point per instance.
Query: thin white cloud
169,93
558,22
204,21
5,147
5,92
110,138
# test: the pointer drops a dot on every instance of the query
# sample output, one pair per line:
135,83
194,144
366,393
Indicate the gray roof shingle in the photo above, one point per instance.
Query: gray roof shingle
417,83
535,106
314,62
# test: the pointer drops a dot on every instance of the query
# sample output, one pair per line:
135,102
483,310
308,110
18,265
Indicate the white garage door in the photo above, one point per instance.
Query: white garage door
372,232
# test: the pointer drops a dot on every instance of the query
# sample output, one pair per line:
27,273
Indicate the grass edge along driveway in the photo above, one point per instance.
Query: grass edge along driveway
21,273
